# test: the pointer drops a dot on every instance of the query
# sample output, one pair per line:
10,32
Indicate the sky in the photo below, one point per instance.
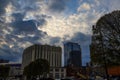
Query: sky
27,22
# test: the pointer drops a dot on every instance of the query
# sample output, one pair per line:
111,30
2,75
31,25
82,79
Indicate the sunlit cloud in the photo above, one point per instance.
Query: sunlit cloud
27,22
84,6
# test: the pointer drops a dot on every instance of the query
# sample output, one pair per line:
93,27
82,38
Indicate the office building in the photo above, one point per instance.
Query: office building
50,53
57,73
75,58
72,54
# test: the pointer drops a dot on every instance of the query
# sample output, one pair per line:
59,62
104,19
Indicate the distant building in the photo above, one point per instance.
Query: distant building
57,73
4,61
114,71
50,53
15,72
72,54
78,72
75,58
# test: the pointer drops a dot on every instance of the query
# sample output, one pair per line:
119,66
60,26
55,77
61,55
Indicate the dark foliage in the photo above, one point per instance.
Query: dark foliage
4,71
39,67
106,40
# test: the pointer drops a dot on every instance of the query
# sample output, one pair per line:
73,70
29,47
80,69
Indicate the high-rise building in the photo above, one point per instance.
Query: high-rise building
72,54
75,58
51,53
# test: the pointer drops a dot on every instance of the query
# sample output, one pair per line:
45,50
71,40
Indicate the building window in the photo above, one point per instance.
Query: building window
57,70
57,75
51,75
62,75
51,69
62,70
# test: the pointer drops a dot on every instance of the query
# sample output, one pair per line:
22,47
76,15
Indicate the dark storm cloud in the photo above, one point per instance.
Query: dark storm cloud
41,19
18,16
24,34
27,27
33,7
57,5
33,39
29,5
19,41
41,22
14,53
24,26
3,4
21,5
84,41
55,40
81,38
9,54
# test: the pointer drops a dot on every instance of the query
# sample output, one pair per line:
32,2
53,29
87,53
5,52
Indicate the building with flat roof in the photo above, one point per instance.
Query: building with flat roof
15,72
75,58
4,61
72,54
57,73
51,53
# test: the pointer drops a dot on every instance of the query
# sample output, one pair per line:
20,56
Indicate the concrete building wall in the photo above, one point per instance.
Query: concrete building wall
51,53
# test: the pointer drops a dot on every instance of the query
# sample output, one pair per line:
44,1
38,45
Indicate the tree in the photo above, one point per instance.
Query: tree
106,40
28,70
4,71
39,67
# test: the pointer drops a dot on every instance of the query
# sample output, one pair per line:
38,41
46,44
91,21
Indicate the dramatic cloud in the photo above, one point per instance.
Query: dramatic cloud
24,27
81,38
3,5
18,16
84,41
57,5
84,6
26,22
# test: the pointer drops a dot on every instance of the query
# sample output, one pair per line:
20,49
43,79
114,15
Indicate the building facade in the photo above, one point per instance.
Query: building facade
72,54
15,72
4,61
57,73
75,58
50,53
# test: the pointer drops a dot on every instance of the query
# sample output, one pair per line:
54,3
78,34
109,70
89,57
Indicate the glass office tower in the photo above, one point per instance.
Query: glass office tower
72,54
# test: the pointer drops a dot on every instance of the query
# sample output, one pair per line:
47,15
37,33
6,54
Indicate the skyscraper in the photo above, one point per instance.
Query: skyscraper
50,53
72,54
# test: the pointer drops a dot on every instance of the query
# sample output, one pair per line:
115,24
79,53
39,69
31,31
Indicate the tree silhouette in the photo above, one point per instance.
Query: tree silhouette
39,67
4,71
106,40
